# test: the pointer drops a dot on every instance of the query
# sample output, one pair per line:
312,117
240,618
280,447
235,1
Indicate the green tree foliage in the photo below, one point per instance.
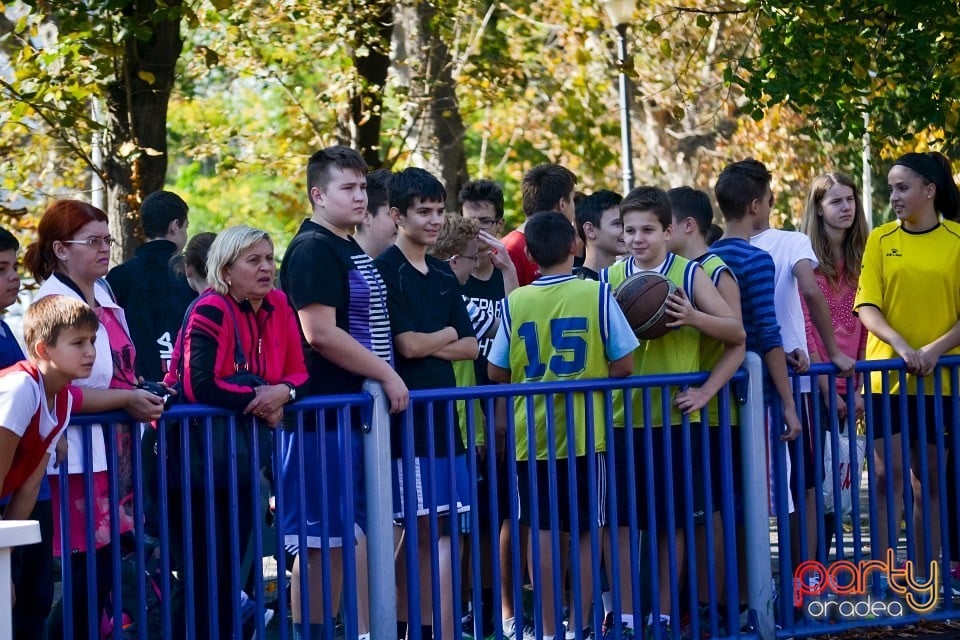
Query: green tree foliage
548,93
253,103
94,77
835,60
475,88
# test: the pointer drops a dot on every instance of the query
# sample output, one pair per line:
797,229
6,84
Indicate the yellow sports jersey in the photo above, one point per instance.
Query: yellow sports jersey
676,352
558,328
914,280
710,348
466,375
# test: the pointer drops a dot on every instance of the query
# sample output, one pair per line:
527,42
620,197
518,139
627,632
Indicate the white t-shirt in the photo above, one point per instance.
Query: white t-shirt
20,397
787,248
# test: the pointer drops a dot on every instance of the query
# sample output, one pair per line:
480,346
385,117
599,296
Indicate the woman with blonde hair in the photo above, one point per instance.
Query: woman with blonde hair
836,224
241,351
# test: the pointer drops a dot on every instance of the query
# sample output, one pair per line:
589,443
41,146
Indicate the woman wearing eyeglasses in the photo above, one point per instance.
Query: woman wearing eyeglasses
70,257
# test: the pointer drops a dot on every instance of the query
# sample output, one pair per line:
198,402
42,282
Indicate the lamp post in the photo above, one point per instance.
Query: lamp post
621,13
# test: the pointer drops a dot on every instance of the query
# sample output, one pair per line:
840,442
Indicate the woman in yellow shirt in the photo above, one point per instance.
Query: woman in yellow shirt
909,301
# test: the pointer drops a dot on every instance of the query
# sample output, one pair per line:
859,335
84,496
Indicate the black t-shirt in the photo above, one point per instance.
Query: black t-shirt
154,299
320,267
424,303
487,295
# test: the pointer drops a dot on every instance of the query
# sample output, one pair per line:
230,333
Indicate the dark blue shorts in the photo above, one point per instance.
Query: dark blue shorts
325,515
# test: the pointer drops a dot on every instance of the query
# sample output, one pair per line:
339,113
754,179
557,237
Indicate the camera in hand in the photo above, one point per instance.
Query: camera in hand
158,390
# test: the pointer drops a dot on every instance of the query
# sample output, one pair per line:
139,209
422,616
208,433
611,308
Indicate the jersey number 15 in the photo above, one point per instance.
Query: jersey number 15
571,349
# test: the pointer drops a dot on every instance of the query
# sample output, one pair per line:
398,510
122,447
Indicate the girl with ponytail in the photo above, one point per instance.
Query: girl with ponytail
909,301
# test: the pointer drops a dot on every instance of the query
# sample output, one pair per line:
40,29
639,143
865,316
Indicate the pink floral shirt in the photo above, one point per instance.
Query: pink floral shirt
851,335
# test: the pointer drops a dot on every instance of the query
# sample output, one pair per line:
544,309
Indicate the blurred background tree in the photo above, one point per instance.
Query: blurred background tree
101,92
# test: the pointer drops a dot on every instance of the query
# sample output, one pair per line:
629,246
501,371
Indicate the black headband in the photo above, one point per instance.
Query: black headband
923,164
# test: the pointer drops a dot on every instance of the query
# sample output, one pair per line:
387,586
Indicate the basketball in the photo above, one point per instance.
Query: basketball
643,299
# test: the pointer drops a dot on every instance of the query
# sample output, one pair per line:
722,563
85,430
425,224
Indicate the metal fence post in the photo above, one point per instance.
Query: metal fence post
377,473
756,510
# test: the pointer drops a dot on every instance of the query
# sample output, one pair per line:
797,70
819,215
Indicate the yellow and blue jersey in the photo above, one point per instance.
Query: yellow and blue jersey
560,328
676,352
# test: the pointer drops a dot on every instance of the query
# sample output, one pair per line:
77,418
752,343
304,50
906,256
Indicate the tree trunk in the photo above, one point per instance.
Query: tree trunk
438,129
135,154
366,105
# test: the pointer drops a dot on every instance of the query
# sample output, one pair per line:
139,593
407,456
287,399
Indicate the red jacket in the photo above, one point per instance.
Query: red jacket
270,338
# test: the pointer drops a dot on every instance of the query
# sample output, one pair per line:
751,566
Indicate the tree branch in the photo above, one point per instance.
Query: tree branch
283,85
460,63
708,12
57,132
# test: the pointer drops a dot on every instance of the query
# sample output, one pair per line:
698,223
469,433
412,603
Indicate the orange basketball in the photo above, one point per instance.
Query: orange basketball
643,298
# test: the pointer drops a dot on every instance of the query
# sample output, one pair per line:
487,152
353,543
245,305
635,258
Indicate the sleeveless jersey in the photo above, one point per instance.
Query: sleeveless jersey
558,328
676,352
710,348
464,372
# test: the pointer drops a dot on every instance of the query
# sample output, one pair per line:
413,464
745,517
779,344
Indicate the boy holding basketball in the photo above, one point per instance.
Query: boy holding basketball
559,328
696,307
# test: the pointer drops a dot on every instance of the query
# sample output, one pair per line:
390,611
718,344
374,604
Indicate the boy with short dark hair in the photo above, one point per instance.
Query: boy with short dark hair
560,328
697,308
10,351
794,261
600,229
153,294
492,279
377,230
431,330
692,219
494,274
341,304
483,201
546,187
743,193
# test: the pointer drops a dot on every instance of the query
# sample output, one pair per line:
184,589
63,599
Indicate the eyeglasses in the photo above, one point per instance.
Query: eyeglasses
486,223
94,242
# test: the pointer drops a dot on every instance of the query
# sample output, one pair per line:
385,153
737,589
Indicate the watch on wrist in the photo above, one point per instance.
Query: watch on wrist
293,391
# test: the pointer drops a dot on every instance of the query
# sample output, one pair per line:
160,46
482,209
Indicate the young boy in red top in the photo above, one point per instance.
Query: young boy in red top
546,187
35,400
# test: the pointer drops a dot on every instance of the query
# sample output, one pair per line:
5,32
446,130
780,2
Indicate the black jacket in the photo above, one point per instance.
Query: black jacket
154,299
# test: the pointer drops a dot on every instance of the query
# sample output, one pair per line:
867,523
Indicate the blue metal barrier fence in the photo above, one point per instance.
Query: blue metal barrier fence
179,547
674,526
845,557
